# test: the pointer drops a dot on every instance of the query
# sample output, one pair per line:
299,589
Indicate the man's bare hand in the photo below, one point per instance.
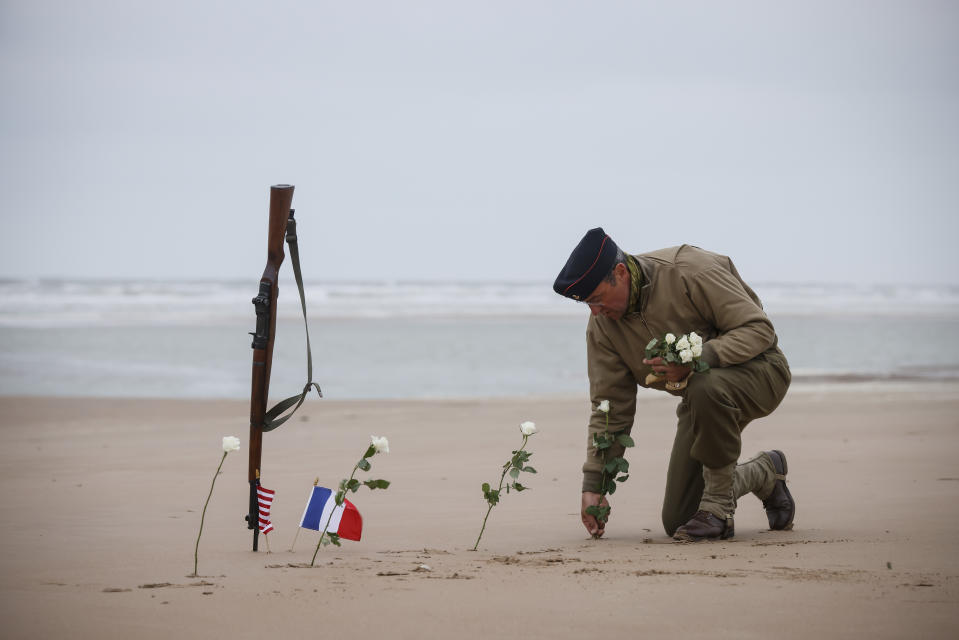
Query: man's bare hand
671,371
593,526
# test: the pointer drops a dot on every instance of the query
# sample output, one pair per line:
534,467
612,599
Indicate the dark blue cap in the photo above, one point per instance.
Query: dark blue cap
588,264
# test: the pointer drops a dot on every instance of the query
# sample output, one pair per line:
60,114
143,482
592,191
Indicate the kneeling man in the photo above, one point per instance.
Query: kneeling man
635,298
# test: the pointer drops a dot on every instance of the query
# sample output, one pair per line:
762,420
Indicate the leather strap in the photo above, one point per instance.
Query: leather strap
271,419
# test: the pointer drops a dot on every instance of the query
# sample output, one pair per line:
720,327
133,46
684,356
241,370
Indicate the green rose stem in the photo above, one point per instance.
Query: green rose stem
196,551
377,445
611,467
340,497
602,490
502,477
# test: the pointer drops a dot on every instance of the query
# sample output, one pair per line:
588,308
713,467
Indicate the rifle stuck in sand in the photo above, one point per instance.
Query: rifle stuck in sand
261,420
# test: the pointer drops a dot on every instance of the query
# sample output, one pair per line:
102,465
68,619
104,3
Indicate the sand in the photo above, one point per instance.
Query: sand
102,500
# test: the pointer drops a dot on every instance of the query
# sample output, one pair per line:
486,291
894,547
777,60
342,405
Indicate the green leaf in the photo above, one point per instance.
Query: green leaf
493,497
377,484
602,442
616,465
651,344
340,496
514,473
364,464
519,487
611,488
529,469
331,538
370,452
485,488
353,485
625,440
520,458
592,510
623,478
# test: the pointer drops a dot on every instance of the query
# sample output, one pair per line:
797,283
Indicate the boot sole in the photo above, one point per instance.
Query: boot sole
692,540
785,469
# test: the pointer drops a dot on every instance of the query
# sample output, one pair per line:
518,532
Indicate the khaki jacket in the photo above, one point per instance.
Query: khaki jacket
684,289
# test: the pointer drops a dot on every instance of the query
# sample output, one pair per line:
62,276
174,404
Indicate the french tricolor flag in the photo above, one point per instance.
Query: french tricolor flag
346,521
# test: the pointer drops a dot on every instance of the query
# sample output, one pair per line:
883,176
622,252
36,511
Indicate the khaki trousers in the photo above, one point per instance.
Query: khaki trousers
716,407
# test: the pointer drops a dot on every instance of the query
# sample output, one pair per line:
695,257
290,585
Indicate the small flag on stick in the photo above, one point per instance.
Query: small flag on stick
265,499
344,520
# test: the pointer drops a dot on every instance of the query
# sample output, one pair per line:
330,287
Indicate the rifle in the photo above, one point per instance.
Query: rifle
261,420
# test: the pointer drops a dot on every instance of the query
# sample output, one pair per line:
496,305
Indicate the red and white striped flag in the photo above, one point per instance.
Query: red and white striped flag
265,499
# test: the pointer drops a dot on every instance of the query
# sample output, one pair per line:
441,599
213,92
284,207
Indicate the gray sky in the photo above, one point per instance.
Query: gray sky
811,141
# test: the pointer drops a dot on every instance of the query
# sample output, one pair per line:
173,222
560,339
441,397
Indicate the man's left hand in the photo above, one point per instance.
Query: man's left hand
672,372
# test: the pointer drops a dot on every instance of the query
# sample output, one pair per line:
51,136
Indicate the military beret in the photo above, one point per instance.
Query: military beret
588,264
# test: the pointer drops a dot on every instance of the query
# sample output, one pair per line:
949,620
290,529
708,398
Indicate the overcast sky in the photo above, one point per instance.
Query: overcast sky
810,141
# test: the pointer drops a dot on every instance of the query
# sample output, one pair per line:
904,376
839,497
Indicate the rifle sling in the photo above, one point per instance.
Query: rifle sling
271,419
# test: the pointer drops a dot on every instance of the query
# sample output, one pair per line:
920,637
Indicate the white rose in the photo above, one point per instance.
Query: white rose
683,343
685,355
231,443
694,338
670,338
381,444
528,428
604,406
697,350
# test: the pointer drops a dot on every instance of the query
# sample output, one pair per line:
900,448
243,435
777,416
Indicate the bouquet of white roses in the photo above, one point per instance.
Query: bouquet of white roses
685,350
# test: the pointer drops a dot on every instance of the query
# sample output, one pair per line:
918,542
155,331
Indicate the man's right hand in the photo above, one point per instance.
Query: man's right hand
594,527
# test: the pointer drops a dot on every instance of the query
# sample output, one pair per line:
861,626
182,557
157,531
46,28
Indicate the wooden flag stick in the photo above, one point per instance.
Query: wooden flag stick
315,483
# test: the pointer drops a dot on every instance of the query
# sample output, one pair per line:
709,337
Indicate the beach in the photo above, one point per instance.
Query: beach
464,187
103,497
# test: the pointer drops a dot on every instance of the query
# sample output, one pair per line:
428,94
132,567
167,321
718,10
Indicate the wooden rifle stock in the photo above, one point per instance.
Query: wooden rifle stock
281,197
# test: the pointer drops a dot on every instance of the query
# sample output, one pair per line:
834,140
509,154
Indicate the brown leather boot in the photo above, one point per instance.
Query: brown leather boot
780,506
705,526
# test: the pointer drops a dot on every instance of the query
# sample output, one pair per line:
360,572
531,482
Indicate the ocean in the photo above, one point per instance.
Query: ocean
400,339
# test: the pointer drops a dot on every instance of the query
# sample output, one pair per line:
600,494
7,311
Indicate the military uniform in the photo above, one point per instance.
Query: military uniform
683,289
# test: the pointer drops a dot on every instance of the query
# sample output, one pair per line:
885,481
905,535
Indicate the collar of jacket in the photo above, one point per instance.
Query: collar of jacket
636,283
